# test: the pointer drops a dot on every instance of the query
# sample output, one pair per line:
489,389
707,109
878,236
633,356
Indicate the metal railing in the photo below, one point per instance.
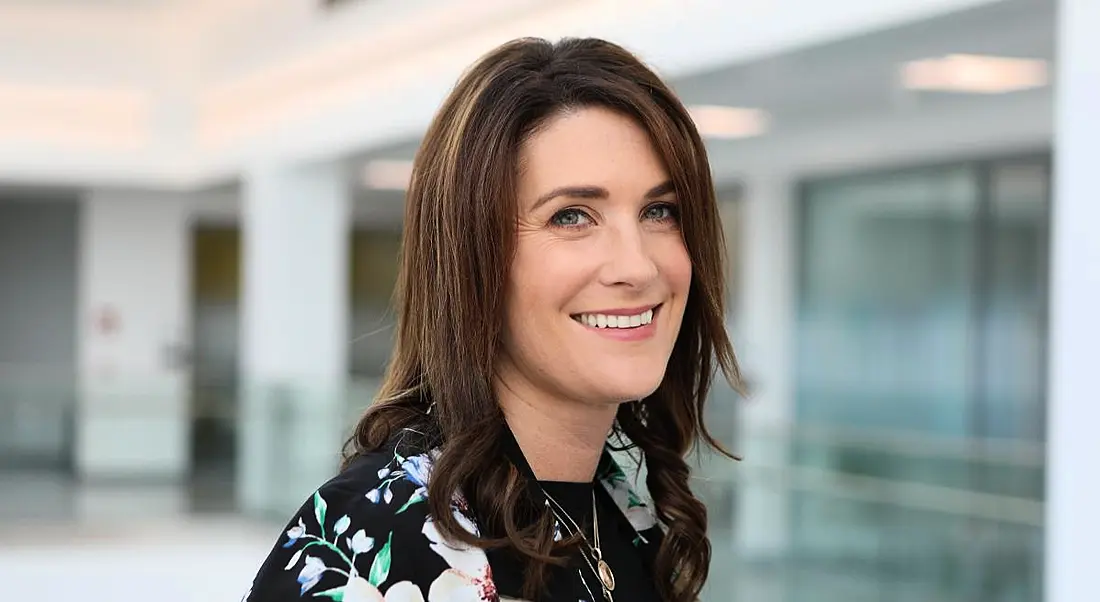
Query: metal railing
827,513
919,517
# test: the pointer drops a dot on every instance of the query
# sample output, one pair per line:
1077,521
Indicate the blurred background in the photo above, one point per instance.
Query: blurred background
200,210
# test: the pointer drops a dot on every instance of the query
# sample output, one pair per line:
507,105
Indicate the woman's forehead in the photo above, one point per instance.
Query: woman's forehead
592,147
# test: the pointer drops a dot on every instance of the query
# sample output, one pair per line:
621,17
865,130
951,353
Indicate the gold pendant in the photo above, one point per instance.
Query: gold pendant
607,578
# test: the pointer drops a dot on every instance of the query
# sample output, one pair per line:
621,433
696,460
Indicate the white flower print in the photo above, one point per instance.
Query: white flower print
455,586
294,533
414,469
311,573
342,524
360,543
467,559
469,577
405,591
333,556
360,590
639,514
357,588
418,469
641,518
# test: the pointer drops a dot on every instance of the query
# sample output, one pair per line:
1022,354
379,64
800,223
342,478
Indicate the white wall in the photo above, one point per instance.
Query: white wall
135,263
1073,489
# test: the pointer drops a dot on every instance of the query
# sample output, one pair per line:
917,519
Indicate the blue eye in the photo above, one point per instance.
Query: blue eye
662,212
569,218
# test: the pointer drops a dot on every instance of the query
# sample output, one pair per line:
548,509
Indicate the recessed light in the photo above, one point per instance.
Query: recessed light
975,74
729,122
387,174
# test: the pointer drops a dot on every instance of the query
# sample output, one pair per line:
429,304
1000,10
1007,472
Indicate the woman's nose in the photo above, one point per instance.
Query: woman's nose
628,260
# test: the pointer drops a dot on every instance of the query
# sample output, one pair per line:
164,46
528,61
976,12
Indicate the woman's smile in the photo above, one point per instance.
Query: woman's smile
623,324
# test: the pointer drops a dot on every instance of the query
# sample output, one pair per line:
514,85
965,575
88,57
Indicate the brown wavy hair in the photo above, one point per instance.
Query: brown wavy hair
459,237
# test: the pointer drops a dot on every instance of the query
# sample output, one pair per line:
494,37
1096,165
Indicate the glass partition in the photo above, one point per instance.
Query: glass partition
916,462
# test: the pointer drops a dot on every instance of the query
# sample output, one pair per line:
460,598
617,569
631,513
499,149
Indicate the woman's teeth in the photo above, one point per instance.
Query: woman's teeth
606,321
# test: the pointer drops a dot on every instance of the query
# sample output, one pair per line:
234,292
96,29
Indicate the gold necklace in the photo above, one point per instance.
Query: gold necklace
607,578
601,569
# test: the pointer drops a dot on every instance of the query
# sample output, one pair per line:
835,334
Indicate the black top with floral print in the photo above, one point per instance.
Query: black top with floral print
366,536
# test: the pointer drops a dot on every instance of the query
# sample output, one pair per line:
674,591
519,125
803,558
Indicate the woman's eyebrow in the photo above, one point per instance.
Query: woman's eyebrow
575,192
596,192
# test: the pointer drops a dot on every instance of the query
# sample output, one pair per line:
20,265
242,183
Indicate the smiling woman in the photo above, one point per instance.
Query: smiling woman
561,296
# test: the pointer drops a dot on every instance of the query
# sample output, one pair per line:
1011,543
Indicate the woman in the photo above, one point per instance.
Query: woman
561,294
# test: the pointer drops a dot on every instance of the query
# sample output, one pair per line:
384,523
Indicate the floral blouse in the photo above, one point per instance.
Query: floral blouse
366,536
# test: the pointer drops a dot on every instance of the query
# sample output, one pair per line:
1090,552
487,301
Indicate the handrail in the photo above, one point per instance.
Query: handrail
1007,452
901,494
127,395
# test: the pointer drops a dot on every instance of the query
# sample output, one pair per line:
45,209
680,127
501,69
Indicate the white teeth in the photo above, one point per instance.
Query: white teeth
607,321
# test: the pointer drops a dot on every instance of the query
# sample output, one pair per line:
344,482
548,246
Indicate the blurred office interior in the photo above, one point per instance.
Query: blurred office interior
200,211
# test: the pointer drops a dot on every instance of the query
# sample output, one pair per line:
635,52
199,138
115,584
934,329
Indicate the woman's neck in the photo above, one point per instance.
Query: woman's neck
562,440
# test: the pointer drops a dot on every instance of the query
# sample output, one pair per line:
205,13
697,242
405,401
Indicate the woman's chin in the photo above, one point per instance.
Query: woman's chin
626,392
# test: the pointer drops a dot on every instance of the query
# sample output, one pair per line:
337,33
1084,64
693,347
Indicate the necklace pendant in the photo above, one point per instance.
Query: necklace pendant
607,578
607,595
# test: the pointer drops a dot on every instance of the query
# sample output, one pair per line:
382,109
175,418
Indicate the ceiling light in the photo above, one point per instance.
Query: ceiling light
728,122
387,174
974,74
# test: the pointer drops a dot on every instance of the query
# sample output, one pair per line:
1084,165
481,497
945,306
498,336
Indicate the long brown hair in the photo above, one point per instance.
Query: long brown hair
459,236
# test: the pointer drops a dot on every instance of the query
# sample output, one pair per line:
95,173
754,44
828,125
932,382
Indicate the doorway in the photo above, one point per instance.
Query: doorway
216,289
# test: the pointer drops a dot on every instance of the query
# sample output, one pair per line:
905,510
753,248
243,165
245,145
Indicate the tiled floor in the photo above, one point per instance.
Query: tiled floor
203,561
60,540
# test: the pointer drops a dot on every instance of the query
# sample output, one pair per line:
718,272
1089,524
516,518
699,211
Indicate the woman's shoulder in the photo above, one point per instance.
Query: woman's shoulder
366,534
343,534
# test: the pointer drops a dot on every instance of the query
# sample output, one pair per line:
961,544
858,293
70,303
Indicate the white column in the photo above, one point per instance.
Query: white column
133,318
294,332
766,321
1073,483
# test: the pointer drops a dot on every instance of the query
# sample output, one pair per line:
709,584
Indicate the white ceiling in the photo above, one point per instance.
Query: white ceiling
860,74
89,3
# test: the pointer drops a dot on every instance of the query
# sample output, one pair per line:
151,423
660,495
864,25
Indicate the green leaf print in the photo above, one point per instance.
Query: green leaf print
417,497
380,568
336,593
320,506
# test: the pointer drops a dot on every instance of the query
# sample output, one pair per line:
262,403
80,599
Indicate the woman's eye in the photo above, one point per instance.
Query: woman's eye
570,218
662,212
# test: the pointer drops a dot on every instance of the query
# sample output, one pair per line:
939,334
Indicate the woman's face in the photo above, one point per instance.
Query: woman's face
601,274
